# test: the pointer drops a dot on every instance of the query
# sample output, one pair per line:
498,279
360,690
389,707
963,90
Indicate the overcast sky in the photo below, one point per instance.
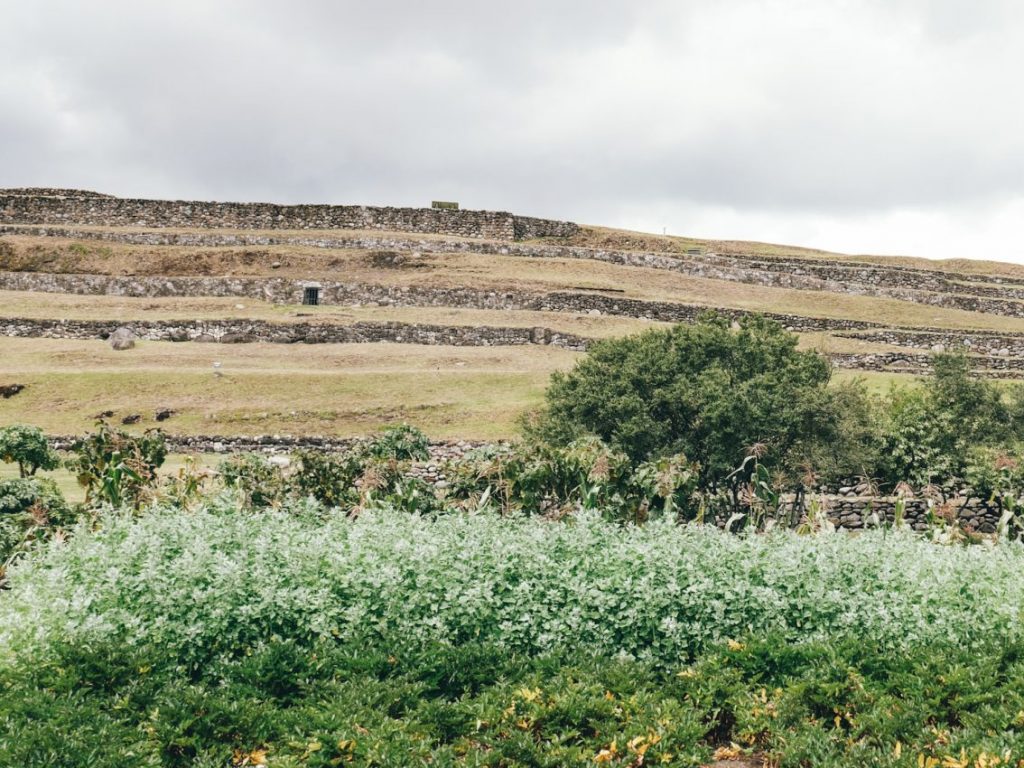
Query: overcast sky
881,126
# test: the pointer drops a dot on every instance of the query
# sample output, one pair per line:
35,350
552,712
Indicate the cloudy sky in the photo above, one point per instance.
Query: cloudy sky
882,126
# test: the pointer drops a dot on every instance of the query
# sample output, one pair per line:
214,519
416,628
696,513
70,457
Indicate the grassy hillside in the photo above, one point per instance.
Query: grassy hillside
451,392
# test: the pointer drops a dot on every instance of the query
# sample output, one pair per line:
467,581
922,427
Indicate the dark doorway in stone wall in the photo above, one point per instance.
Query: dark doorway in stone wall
311,296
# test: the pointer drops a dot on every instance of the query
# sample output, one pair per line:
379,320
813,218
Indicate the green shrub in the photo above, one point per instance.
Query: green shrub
261,483
371,472
117,468
401,443
330,478
931,432
28,448
300,636
538,478
30,508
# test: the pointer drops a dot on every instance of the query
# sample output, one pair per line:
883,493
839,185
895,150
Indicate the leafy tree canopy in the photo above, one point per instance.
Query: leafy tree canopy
713,391
28,448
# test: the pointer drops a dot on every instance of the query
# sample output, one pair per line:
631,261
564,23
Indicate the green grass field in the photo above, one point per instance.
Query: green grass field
328,389
335,389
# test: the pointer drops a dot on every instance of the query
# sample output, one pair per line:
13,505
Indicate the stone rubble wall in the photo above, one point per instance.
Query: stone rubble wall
856,513
994,347
249,331
122,212
905,284
252,331
981,342
289,291
909,362
440,450
49,192
882,275
531,228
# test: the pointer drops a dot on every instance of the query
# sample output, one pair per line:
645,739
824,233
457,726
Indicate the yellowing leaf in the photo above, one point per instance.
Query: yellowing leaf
529,695
732,752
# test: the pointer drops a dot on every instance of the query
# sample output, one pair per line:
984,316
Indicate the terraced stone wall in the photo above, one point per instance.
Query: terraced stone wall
248,331
980,342
903,283
90,210
910,362
289,291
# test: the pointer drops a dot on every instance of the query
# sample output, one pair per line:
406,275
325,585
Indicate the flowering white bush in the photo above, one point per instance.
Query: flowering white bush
217,581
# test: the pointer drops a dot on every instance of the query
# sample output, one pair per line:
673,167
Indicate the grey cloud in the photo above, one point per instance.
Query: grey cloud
573,109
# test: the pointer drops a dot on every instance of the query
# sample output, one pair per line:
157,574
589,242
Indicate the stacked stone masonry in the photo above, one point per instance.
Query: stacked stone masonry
980,342
289,291
92,210
906,284
248,331
997,352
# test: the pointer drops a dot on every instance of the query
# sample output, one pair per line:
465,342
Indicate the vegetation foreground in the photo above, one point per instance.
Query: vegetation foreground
302,636
558,601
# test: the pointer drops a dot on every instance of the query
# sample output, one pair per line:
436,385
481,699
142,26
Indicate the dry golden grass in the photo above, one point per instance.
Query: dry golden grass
615,238
609,237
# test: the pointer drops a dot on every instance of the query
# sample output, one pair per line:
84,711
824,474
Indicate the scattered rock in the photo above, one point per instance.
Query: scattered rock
235,338
132,418
164,415
10,390
103,415
122,339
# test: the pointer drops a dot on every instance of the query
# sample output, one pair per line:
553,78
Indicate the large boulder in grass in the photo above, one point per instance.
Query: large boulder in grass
122,339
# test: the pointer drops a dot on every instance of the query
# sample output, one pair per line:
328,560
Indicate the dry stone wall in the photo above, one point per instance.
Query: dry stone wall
440,450
982,342
855,513
249,331
289,291
906,284
909,362
92,210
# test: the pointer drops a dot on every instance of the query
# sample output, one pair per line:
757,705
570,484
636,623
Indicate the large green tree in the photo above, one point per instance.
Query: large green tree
715,391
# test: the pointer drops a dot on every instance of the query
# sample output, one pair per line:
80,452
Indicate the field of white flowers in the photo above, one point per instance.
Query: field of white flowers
302,637
208,583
